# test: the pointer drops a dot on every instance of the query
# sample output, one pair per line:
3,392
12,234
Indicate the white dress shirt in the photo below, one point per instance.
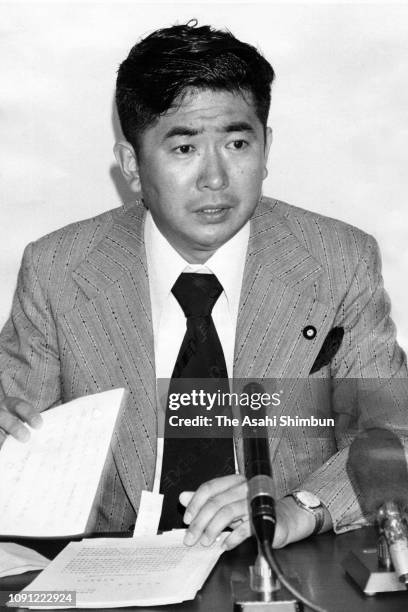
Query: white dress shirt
164,266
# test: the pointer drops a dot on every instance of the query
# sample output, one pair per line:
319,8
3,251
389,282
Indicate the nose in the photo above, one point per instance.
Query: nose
213,173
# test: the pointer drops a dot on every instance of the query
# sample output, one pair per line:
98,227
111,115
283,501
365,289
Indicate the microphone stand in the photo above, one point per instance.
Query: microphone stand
268,589
260,591
261,578
385,569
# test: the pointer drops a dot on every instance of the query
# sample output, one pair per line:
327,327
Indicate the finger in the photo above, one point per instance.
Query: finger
227,515
238,535
217,514
185,497
11,425
202,508
209,490
24,411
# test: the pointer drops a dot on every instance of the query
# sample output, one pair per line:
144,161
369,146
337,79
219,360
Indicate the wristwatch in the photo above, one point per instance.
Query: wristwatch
310,502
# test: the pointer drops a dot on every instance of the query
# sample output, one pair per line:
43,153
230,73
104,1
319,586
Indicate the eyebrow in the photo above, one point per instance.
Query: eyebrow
180,130
238,126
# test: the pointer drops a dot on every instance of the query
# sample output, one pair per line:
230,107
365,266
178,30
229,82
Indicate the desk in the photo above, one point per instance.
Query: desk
315,563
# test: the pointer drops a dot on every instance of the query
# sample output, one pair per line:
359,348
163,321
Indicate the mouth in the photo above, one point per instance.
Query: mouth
213,214
213,210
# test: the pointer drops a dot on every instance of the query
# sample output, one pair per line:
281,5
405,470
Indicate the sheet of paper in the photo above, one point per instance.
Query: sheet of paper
116,572
148,516
16,559
48,484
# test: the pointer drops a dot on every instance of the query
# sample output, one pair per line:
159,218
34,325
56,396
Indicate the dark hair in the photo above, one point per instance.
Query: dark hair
160,67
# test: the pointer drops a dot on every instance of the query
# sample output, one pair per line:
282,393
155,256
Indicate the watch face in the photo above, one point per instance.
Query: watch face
308,499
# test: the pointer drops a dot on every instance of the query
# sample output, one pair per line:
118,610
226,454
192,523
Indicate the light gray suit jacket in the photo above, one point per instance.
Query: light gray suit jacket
81,323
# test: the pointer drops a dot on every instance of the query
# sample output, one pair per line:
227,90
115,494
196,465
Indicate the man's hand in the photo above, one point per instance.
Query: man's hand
292,522
223,502
217,504
15,414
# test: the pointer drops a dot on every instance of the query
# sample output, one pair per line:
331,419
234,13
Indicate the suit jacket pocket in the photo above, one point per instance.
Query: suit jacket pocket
329,348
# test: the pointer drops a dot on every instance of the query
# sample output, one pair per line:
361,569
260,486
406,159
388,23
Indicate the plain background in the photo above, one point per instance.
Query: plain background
339,115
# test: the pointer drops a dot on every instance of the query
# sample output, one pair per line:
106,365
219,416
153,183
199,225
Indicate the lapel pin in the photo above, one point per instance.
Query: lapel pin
309,332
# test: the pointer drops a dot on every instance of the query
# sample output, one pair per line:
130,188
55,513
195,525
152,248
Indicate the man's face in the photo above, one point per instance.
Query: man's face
201,167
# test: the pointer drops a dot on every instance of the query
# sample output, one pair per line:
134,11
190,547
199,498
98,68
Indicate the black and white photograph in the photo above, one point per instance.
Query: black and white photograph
203,254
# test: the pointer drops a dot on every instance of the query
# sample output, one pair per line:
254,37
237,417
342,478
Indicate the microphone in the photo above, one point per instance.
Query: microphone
259,474
265,575
378,472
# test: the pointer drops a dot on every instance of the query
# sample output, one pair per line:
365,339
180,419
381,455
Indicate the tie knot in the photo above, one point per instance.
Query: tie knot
197,293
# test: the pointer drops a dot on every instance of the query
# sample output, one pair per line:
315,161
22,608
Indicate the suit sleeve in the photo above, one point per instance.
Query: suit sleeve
369,385
29,360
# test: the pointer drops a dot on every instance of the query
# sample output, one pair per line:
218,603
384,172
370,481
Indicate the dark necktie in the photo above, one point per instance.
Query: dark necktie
189,462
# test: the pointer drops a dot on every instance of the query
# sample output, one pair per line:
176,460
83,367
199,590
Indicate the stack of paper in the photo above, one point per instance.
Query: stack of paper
48,484
116,572
16,559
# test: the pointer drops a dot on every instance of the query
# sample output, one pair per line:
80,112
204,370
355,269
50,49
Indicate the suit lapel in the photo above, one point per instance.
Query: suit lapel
279,298
110,331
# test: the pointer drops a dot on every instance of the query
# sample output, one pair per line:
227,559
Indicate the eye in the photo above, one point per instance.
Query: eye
237,145
184,149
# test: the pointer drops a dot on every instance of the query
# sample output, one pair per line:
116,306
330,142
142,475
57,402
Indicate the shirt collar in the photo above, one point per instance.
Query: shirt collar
165,265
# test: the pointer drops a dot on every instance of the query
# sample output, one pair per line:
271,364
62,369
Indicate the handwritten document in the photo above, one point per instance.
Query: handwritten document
117,572
48,484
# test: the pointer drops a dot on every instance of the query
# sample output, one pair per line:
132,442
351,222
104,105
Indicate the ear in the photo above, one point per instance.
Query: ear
127,160
268,142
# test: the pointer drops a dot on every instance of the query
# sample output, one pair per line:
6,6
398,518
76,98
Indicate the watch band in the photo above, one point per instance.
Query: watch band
317,511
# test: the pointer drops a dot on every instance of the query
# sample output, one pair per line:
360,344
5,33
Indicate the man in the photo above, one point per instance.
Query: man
301,295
